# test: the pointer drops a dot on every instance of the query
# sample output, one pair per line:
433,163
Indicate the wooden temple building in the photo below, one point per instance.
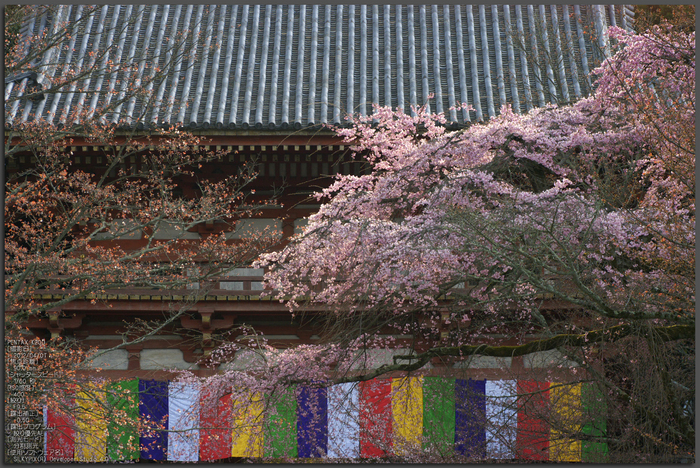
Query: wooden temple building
265,82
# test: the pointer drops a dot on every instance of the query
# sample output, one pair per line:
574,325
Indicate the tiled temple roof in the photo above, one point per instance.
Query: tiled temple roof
291,66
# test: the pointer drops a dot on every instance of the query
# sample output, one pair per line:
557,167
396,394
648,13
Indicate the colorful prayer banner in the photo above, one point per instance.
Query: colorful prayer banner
312,422
153,411
475,419
593,450
183,422
565,421
375,418
281,425
439,415
91,426
502,417
60,433
247,435
344,421
532,441
407,414
470,418
216,426
123,440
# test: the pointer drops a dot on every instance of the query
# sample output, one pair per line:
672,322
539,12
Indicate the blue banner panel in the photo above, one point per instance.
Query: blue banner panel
153,409
470,418
312,422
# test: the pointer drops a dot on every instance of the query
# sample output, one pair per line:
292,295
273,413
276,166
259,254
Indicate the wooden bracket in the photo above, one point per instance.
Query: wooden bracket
206,325
53,318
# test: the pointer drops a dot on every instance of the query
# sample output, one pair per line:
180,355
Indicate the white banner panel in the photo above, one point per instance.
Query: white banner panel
183,422
343,421
502,417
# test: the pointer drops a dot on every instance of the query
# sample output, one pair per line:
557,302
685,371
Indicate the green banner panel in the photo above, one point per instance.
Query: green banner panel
439,414
122,427
594,409
281,426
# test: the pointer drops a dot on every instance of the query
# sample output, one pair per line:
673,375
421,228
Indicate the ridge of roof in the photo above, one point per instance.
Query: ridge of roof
279,67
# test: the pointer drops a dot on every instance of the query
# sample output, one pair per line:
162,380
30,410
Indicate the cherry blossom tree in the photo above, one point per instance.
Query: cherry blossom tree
569,229
67,225
76,231
64,223
680,16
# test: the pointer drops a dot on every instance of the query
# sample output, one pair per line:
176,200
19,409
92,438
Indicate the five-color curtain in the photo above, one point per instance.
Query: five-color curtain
465,418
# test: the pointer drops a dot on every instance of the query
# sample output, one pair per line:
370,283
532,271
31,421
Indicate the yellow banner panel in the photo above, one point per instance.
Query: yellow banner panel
248,427
407,413
566,423
91,426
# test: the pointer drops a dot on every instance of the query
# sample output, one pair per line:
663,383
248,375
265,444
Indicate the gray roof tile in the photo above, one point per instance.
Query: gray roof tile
265,66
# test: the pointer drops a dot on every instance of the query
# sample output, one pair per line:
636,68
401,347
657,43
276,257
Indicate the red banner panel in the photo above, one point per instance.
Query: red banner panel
532,441
375,418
